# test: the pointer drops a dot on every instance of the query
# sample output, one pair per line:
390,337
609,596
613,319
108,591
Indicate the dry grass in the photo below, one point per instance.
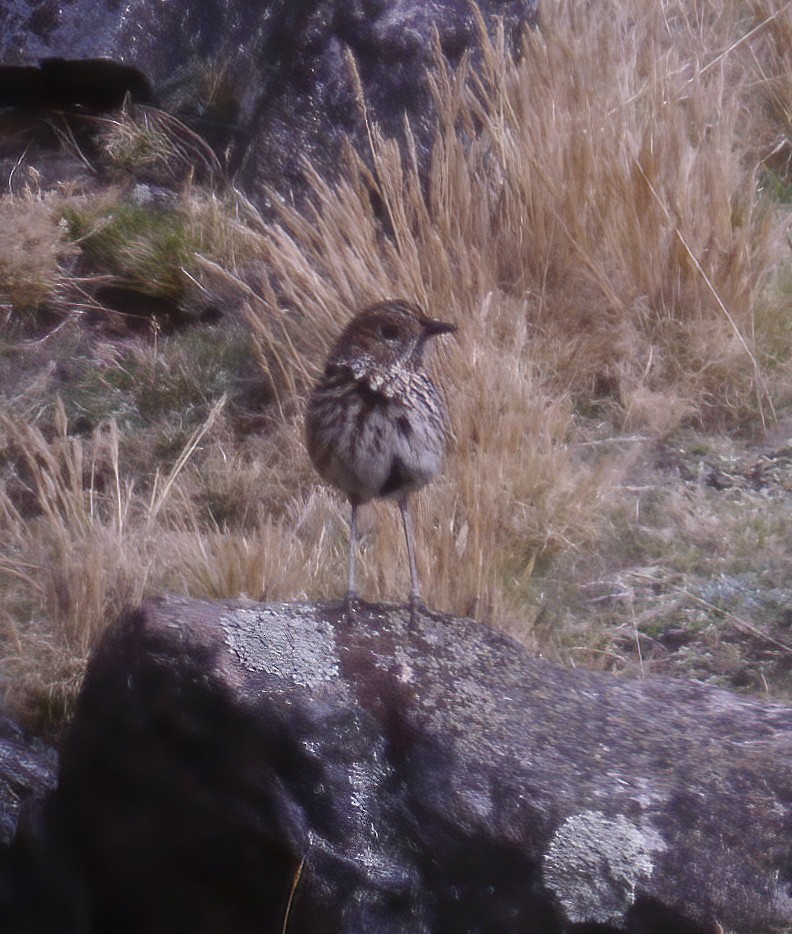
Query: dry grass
605,221
33,247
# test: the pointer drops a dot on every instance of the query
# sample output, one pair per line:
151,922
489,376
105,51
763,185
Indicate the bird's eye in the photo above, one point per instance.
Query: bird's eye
389,332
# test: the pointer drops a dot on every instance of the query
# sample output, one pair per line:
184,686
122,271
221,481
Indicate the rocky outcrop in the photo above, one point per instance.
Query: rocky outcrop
269,768
268,83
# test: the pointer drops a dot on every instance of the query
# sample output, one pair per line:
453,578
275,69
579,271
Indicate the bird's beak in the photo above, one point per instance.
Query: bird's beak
432,327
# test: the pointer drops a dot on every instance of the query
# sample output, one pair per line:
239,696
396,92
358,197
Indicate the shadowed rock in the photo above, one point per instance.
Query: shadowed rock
27,774
93,85
392,777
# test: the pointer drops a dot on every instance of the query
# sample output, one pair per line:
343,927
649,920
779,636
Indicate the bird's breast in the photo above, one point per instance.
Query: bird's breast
376,438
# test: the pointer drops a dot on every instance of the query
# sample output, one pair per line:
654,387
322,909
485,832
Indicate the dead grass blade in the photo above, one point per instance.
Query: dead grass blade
159,496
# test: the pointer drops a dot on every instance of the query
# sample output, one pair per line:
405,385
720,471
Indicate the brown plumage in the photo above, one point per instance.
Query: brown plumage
376,424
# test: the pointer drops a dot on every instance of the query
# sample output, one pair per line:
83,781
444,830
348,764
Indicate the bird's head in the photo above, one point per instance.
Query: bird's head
392,333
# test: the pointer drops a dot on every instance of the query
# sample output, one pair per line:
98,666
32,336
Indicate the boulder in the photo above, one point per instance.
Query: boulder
247,767
28,770
27,774
267,83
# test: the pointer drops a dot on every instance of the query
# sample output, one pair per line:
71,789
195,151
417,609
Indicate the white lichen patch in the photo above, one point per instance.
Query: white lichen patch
594,863
288,641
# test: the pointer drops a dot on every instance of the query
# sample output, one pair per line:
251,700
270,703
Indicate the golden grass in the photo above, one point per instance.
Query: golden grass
32,247
605,222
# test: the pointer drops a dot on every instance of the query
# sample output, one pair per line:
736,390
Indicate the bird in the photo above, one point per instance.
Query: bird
376,424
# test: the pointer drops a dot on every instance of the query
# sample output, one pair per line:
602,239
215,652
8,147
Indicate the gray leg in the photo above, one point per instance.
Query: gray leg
351,591
408,534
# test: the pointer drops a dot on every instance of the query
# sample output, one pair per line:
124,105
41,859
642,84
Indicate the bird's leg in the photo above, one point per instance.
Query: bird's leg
351,595
415,594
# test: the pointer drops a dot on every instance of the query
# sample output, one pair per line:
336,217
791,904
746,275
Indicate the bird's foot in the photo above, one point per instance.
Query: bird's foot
350,605
417,608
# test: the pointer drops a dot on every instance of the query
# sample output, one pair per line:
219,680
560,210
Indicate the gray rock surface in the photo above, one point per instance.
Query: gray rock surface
241,768
270,83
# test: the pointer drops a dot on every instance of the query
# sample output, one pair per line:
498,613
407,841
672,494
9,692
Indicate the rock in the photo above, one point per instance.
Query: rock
27,774
267,768
271,83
